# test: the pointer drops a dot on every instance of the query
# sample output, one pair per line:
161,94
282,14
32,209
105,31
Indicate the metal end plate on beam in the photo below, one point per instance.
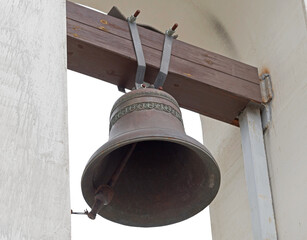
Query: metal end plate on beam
267,96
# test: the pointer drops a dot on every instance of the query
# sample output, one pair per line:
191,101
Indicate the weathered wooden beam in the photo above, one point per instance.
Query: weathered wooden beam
100,46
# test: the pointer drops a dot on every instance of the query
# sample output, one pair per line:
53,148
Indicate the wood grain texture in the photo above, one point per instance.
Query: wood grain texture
205,82
34,171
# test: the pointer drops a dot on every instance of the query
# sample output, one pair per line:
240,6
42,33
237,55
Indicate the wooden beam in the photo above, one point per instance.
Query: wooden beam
100,46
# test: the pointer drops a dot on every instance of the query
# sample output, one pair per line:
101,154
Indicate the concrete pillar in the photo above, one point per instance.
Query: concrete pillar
34,174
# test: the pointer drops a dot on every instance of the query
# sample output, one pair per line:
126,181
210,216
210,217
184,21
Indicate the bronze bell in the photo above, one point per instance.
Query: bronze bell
149,173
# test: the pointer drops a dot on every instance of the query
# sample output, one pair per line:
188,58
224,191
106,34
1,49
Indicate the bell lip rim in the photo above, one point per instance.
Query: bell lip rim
99,153
176,139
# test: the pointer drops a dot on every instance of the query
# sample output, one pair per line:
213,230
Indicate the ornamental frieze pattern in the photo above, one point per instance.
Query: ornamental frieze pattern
143,94
145,106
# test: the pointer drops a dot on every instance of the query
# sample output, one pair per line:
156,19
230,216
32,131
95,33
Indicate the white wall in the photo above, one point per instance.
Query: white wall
272,35
229,211
34,175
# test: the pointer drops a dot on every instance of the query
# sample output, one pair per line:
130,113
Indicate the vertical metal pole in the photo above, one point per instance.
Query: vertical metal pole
256,173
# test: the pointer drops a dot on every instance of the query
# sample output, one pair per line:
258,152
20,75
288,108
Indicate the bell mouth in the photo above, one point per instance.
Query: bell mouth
167,179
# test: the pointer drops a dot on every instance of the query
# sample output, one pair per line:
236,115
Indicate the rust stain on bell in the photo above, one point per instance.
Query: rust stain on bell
157,175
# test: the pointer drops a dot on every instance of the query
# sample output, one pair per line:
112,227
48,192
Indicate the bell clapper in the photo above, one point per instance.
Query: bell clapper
103,196
104,193
120,168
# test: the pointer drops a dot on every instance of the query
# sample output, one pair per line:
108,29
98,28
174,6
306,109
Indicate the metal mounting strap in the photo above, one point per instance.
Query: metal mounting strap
140,73
266,88
166,57
267,96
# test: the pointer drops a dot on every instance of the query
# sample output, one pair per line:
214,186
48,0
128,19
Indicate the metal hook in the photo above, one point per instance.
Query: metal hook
79,213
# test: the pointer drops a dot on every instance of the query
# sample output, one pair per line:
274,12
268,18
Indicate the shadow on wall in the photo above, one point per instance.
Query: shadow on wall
222,33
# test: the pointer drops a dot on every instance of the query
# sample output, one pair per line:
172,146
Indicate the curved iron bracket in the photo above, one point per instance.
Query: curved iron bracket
140,72
166,54
166,57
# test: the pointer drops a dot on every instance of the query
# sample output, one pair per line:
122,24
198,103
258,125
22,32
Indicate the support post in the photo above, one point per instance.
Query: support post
256,173
34,175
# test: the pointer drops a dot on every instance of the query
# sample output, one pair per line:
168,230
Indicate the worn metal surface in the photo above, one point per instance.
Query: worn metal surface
266,115
266,88
267,96
141,68
169,176
257,175
104,193
166,57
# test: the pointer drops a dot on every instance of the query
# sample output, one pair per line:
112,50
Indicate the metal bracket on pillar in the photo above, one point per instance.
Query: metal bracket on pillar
266,115
257,175
266,88
267,96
